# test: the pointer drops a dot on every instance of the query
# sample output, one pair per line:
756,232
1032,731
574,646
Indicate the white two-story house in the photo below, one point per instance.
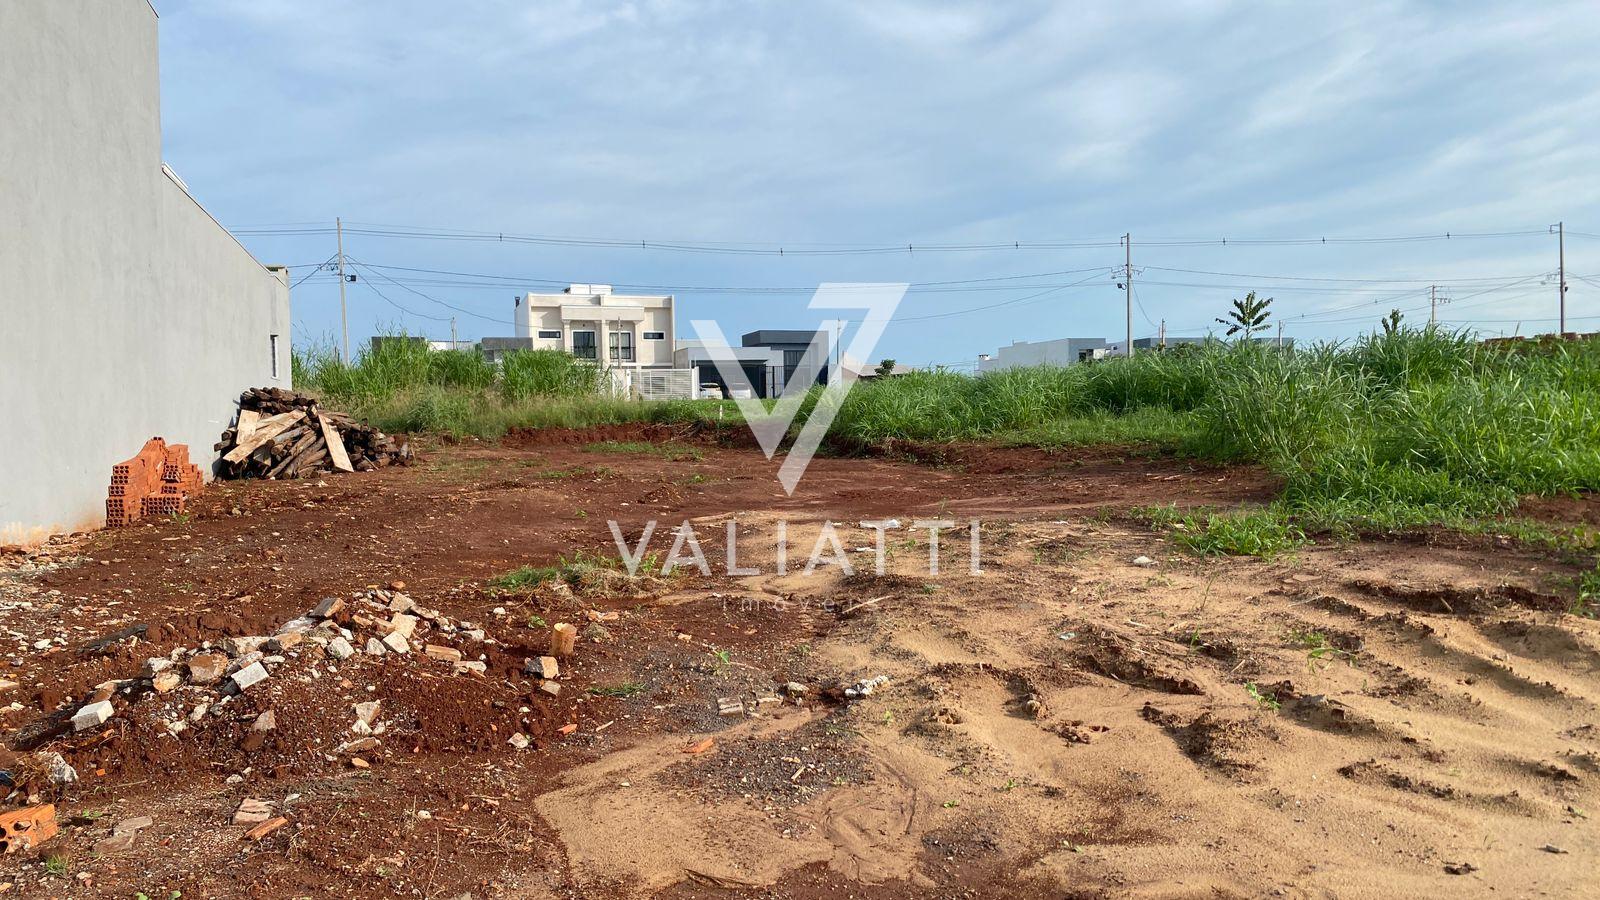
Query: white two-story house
633,331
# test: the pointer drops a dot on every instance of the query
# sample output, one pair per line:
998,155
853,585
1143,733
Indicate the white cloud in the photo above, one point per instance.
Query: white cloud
894,121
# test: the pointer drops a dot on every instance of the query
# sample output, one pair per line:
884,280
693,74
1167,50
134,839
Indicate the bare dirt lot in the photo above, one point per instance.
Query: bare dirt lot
1382,718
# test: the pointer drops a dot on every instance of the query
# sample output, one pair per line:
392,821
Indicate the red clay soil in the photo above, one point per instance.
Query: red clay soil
442,804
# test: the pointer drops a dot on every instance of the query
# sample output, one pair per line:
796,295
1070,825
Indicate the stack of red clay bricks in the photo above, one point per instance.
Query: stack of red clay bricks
154,483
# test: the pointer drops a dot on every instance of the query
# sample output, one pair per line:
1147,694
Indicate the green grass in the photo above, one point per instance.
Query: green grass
1263,699
1265,532
570,569
401,386
1389,431
619,691
525,578
674,452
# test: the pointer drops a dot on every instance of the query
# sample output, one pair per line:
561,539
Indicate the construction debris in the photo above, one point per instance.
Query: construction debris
266,828
157,482
563,639
27,828
284,434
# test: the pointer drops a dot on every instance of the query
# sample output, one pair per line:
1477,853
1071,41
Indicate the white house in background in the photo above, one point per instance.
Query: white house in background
591,322
1059,352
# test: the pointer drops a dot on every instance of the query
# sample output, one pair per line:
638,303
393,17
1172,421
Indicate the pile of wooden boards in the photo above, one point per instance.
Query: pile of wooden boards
154,483
283,434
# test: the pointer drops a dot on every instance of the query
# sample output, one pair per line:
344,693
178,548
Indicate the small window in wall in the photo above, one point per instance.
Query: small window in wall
583,345
274,343
655,335
553,334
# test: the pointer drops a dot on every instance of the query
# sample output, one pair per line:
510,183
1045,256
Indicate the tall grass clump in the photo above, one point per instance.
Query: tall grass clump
403,386
389,366
1397,428
547,373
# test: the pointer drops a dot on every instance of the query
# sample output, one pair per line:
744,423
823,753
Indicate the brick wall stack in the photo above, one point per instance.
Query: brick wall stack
157,482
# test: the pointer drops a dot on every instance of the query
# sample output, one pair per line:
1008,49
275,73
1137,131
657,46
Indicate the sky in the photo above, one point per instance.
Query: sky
1227,139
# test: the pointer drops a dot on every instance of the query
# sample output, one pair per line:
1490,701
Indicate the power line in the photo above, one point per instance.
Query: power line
990,283
818,249
460,309
311,273
1326,278
374,288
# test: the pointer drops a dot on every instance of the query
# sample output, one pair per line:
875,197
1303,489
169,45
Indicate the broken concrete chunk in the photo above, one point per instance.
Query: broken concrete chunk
403,625
265,722
865,687
477,667
367,712
401,603
543,667
285,641
728,706
519,741
207,668
360,745
249,675
339,648
245,661
397,642
132,826
91,715
117,843
375,647
251,811
239,646
327,608
166,681
551,688
1143,562
442,653
155,665
57,767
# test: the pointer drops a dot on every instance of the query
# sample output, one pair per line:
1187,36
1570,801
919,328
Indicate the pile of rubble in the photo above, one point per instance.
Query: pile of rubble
375,623
351,683
284,434
154,483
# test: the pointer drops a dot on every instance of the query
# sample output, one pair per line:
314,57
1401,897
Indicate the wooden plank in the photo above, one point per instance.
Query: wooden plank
248,420
264,432
336,451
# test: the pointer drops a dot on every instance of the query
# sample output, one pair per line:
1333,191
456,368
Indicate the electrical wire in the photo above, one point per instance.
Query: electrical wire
313,271
374,288
989,283
460,309
815,249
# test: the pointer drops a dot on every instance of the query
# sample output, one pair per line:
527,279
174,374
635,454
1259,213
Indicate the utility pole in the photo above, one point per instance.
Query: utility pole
1127,284
1433,303
344,311
1561,272
1163,334
452,332
1280,334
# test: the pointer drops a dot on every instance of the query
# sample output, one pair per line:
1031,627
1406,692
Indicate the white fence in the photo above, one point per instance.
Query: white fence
655,384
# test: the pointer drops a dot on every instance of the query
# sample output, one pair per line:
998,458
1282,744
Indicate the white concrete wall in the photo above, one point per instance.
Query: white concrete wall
125,310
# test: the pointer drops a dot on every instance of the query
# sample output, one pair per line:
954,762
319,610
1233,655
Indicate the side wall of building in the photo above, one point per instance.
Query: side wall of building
125,310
